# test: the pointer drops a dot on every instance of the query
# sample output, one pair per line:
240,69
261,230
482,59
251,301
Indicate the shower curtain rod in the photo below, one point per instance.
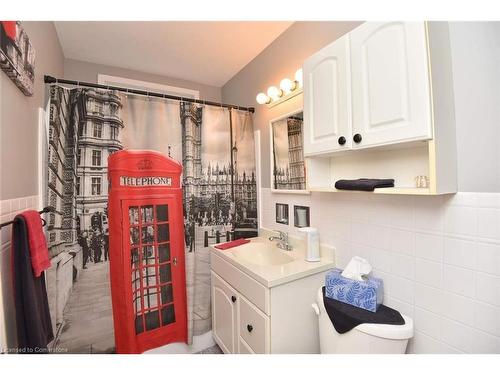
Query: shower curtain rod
50,79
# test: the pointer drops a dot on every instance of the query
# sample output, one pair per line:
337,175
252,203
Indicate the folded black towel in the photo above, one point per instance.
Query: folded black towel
345,317
364,184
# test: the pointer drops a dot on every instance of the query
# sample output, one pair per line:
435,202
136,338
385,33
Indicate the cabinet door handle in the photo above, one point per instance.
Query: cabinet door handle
233,298
357,138
249,327
342,140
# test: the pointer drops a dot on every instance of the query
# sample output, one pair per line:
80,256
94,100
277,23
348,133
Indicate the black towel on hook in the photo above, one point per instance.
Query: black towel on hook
345,317
364,184
34,326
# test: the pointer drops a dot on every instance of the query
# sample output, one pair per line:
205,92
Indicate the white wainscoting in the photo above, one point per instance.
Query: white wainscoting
439,258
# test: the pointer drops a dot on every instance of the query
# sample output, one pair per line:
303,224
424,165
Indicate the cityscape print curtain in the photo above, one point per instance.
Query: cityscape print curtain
216,148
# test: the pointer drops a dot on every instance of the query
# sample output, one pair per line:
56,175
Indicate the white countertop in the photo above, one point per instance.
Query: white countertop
273,275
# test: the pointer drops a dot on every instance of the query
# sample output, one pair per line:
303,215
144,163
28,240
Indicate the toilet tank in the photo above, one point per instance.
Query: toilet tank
357,340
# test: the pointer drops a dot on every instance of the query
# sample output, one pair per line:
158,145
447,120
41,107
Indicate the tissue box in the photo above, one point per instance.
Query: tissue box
367,295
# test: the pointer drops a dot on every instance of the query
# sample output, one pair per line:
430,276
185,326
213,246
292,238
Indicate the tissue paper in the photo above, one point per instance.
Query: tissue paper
357,268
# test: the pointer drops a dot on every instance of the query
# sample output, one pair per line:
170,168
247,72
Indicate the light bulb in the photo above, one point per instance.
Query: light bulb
274,93
298,77
262,98
287,85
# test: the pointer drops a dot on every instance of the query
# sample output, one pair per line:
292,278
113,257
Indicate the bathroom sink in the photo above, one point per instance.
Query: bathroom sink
261,254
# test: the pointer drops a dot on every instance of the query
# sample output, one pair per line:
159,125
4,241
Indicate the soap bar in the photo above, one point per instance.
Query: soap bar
368,294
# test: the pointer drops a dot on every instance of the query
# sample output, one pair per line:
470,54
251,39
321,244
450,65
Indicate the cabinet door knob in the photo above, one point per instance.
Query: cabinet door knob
342,140
233,298
249,327
357,138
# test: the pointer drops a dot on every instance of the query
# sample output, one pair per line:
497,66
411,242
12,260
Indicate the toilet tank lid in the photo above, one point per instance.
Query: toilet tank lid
389,331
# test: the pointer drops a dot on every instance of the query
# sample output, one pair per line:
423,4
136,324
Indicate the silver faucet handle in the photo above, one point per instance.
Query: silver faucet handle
283,235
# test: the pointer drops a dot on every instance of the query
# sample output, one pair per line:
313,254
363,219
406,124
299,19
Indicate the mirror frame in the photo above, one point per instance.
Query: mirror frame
271,154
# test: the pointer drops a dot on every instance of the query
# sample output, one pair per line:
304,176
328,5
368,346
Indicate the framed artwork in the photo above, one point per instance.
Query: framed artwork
17,56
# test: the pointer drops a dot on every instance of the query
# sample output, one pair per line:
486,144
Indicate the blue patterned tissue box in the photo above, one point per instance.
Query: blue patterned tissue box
367,295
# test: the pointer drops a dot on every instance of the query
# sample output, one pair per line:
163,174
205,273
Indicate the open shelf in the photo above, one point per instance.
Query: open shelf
393,191
401,163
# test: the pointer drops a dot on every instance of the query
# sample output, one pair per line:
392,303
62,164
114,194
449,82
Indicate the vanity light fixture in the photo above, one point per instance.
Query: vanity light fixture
287,85
274,93
287,89
299,77
263,98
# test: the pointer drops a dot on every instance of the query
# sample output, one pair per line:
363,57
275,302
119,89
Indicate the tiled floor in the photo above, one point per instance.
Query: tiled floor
212,350
88,318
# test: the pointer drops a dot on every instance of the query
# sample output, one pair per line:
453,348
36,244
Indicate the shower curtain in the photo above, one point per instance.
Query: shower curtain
215,146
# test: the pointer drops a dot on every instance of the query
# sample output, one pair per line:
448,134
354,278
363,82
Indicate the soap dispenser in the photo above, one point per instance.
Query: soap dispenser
312,243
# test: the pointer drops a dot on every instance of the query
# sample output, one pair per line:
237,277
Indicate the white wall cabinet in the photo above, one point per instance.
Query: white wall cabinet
327,101
368,88
390,83
399,120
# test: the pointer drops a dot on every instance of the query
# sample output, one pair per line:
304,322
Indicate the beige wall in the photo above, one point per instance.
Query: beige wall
87,72
475,48
19,115
279,60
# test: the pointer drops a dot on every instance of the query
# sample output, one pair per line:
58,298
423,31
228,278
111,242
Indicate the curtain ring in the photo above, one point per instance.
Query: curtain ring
44,223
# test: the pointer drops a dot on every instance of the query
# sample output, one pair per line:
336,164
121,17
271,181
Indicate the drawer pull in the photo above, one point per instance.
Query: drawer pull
233,298
249,327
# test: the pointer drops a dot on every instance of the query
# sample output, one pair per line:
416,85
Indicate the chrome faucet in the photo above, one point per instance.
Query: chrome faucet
283,240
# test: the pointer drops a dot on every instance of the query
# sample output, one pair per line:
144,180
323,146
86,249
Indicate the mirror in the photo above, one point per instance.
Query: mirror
288,173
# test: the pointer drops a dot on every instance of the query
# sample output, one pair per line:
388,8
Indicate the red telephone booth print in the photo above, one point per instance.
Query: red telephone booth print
146,251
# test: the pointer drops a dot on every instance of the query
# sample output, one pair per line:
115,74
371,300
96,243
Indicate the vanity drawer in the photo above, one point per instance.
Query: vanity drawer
254,327
244,348
254,291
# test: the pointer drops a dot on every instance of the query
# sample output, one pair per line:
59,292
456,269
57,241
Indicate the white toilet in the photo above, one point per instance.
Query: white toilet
365,338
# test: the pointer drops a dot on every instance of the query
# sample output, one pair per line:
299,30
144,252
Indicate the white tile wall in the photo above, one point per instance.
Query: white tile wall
439,258
8,210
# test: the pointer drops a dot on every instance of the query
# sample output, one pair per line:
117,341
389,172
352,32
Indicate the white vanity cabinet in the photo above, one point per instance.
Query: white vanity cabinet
389,83
225,315
249,317
238,326
327,99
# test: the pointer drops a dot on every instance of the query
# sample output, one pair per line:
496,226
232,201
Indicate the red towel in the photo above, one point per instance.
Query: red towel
39,252
10,28
230,244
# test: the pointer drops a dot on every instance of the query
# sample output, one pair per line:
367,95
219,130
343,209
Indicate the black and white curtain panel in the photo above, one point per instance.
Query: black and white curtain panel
216,148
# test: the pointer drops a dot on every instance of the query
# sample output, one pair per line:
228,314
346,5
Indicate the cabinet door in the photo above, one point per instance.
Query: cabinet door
224,315
327,99
390,83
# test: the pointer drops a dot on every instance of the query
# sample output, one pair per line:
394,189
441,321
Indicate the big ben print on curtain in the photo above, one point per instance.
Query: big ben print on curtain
216,148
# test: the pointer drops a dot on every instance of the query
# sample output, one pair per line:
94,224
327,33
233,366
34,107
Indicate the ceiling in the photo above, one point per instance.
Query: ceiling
203,52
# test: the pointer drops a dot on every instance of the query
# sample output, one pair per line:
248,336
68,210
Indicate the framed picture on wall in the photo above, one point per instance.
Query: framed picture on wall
17,56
